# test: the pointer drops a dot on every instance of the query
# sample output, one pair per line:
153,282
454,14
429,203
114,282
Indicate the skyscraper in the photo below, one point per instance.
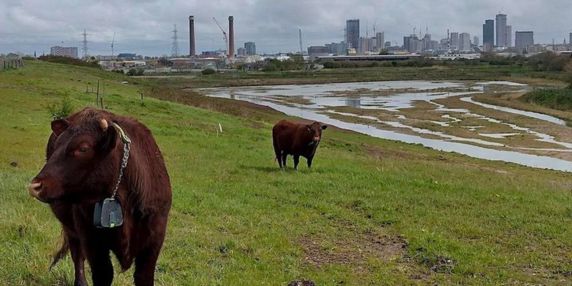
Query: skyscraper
464,42
475,41
488,35
352,33
454,41
501,30
379,40
250,48
523,41
570,41
508,36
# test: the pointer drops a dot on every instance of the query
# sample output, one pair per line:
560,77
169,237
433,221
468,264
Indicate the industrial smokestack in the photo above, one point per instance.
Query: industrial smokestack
192,51
231,37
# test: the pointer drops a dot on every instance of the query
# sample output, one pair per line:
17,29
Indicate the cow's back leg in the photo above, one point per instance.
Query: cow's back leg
277,152
296,161
284,157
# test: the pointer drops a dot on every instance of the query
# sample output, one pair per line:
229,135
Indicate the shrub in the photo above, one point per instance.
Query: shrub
208,71
69,61
61,110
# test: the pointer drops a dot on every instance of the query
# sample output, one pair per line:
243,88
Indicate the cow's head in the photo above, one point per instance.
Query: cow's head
315,129
77,155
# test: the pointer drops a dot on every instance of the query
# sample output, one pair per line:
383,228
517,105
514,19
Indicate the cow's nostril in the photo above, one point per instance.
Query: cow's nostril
34,189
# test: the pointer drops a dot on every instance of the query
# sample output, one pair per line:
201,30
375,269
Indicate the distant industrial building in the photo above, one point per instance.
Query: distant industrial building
475,41
524,40
337,48
128,56
230,36
317,51
250,48
241,52
192,45
70,52
367,58
352,33
464,42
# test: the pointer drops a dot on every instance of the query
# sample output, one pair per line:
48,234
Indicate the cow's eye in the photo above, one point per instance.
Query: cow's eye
83,149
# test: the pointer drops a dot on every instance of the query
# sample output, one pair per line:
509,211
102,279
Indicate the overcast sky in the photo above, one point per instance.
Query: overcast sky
145,26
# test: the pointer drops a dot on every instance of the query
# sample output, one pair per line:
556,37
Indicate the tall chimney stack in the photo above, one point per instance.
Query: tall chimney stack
231,36
192,50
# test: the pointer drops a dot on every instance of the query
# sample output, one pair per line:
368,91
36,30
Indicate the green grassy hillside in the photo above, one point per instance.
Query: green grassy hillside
371,211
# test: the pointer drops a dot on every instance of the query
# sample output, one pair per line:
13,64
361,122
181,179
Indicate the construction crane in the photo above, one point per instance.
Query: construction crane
112,44
223,33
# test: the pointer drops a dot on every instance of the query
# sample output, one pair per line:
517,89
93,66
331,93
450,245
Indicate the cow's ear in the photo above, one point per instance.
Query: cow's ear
109,138
59,126
324,127
309,128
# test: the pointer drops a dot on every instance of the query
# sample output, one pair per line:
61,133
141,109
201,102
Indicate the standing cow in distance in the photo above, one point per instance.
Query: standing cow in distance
296,139
85,156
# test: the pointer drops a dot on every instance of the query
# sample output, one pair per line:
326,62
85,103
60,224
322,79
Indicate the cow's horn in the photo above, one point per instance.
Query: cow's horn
103,124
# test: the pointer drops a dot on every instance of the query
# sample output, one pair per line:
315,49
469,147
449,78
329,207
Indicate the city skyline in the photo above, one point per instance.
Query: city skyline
28,26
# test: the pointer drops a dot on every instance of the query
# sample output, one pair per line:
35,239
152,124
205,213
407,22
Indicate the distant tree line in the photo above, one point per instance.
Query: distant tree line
92,62
547,61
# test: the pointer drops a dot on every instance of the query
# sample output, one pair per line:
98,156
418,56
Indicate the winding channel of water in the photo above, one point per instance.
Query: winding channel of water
320,99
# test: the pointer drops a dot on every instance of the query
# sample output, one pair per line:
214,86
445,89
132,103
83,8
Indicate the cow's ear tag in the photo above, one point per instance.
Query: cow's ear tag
107,214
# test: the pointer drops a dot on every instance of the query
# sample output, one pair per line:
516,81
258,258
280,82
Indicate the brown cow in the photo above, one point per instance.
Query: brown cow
84,156
296,139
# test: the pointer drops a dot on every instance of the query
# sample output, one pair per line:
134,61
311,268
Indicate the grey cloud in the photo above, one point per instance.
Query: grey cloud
145,27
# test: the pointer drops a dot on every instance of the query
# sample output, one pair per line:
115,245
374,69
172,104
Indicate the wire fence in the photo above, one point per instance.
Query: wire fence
7,63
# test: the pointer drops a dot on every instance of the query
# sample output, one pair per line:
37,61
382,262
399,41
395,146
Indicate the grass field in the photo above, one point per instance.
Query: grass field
370,212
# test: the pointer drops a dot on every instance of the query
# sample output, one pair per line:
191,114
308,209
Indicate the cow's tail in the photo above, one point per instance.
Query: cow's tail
61,253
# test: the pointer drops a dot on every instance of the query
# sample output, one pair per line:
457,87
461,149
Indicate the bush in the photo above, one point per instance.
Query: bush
61,110
134,71
560,99
69,61
208,71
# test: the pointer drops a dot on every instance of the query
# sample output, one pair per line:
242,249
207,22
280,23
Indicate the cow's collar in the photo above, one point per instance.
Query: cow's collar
126,148
108,213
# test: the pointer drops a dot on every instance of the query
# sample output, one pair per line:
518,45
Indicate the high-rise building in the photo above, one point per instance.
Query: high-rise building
570,41
523,41
363,45
70,52
488,35
379,40
352,33
501,30
250,48
426,43
241,52
454,41
464,42
508,36
475,41
412,44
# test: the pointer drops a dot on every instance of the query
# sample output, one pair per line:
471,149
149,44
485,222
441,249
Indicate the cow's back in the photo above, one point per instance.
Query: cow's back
284,134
